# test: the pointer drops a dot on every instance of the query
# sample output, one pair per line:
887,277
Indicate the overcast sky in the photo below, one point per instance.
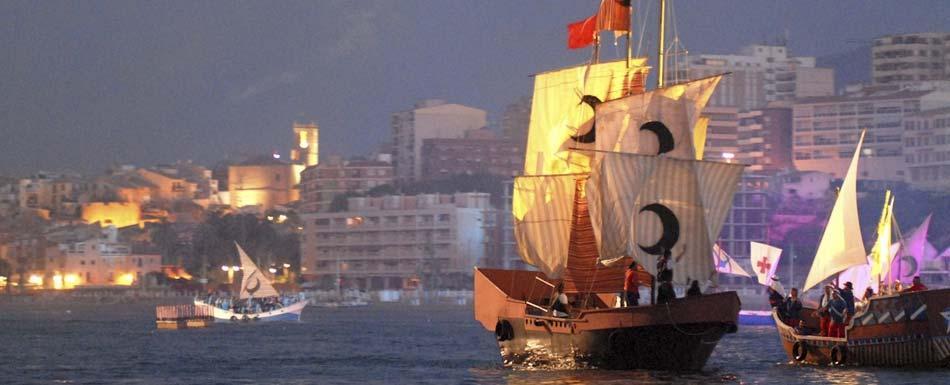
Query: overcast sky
86,84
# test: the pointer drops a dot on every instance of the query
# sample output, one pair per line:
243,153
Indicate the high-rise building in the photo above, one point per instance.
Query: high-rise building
749,217
826,130
722,140
429,119
392,241
908,59
927,148
765,138
759,75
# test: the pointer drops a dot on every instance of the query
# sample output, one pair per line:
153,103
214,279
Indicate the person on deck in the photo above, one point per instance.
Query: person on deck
868,294
665,293
917,286
801,329
823,313
631,286
775,298
694,290
847,294
792,308
838,308
561,306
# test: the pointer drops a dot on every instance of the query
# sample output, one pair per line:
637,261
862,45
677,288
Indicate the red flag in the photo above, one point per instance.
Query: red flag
614,15
581,34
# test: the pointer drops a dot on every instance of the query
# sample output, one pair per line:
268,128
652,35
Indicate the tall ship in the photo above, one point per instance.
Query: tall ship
908,328
612,175
258,299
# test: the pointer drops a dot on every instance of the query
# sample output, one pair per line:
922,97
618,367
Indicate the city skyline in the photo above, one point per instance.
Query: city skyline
89,85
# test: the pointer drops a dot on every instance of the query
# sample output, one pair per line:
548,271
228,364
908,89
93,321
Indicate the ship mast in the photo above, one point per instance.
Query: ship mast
661,45
630,37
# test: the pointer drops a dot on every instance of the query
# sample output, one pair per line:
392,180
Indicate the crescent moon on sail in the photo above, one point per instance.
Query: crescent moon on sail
257,284
671,229
591,135
911,266
663,135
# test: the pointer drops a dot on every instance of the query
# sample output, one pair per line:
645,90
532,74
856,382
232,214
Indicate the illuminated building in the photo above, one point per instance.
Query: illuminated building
168,187
910,58
264,181
28,256
57,193
826,130
386,242
430,119
722,139
104,260
305,150
478,152
321,183
118,214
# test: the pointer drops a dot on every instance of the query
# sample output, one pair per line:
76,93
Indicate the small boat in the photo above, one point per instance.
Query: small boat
341,298
907,329
756,318
254,284
904,329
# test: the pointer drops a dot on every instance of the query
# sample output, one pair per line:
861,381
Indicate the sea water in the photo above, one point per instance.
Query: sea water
74,342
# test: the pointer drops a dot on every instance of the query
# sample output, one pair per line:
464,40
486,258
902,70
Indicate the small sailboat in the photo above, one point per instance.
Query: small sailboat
254,285
903,329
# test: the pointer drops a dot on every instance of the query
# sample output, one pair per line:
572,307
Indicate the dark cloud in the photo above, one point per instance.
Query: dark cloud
87,84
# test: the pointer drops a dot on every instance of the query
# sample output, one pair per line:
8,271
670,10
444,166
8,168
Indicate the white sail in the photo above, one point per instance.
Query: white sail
253,282
764,260
542,208
657,122
558,113
841,245
640,205
725,264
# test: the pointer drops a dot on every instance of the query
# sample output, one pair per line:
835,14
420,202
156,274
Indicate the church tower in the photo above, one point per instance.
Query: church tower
306,144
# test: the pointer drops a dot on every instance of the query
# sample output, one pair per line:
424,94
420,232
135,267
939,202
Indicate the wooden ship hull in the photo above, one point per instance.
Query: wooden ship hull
677,336
909,329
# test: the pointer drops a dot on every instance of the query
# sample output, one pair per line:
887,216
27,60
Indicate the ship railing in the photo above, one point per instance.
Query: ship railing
528,300
183,312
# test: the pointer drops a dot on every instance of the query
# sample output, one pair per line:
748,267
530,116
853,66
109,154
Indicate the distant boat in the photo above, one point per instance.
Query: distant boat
341,298
254,284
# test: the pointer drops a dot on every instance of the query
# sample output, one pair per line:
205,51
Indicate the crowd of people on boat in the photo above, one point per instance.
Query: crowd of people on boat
250,305
836,307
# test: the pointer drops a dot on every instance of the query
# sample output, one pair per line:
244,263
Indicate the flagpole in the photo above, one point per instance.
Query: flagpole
630,36
596,47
